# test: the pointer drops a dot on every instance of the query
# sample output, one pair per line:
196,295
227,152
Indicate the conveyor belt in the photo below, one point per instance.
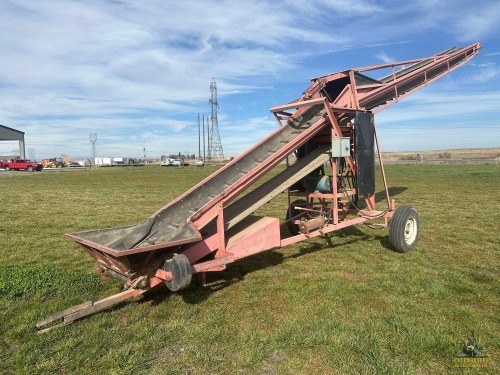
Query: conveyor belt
171,222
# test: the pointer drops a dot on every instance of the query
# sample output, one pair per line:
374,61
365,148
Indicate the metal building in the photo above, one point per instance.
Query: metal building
9,134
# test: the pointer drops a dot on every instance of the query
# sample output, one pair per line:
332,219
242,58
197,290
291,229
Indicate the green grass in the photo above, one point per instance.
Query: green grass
342,305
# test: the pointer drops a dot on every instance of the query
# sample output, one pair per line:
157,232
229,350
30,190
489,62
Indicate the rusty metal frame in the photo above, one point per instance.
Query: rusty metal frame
213,244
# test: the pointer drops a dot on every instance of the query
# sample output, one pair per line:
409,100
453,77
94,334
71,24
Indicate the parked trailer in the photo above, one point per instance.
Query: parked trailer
103,162
211,225
174,163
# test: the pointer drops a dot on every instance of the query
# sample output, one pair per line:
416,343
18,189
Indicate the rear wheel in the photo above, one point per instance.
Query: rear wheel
7,168
404,229
30,169
292,212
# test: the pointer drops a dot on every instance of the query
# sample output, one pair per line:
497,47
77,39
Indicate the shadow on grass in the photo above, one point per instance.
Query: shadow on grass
393,190
237,271
380,196
350,235
384,241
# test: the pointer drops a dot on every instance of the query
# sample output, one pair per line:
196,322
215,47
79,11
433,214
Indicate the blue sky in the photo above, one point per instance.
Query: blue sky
137,73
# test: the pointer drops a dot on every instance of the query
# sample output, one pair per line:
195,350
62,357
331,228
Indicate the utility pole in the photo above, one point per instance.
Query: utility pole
208,139
203,127
199,138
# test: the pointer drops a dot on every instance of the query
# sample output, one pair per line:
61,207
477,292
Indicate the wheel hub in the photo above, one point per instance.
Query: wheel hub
410,230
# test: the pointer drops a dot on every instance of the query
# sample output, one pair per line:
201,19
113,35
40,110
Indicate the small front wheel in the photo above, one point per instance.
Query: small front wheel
30,169
7,168
404,229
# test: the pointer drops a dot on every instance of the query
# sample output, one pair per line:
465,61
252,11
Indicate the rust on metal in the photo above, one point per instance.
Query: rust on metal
213,223
76,312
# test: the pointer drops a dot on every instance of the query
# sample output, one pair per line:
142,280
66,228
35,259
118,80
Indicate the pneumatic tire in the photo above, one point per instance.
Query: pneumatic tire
404,229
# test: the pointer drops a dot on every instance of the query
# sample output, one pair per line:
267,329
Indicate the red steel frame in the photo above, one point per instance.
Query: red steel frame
213,252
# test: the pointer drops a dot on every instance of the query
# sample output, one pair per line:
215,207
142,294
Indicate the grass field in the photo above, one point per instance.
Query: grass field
346,304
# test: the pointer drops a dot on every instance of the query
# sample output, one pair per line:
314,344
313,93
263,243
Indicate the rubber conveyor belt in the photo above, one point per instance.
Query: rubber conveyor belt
170,223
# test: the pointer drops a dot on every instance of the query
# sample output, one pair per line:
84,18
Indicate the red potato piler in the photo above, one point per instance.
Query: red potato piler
212,224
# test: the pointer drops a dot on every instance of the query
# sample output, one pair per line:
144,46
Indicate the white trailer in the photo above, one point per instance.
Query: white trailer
103,162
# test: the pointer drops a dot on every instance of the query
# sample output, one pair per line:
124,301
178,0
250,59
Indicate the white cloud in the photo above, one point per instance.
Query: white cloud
335,8
486,72
384,57
140,71
438,118
478,21
429,106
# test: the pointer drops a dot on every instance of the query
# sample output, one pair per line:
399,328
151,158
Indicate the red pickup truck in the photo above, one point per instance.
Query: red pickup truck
19,164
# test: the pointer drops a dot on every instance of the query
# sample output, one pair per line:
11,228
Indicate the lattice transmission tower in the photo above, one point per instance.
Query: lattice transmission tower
214,145
93,150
